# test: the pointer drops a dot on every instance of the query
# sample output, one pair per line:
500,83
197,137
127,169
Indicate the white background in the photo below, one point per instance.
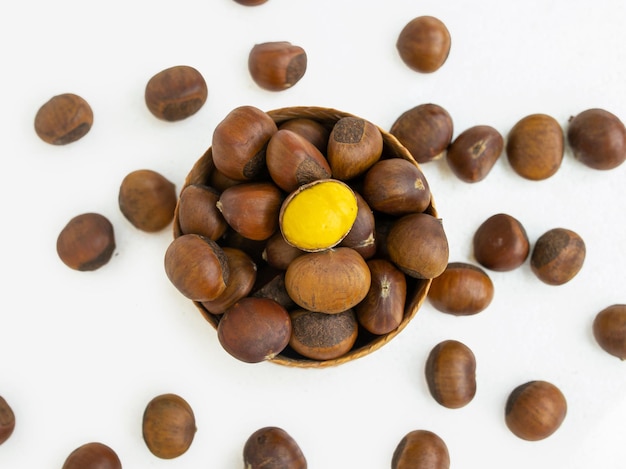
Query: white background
81,354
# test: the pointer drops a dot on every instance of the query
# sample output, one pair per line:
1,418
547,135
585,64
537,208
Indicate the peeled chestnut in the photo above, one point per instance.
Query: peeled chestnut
93,455
501,243
474,152
424,44
557,256
362,235
425,130
7,420
462,289
322,336
609,330
421,449
312,130
272,448
168,426
198,213
451,374
254,329
276,66
354,145
535,410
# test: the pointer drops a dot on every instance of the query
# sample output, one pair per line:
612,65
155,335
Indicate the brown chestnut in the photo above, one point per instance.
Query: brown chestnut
557,256
176,93
314,131
321,336
63,119
274,289
362,235
609,330
501,243
421,449
168,426
535,410
354,145
250,3
276,66
254,329
278,253
7,420
86,242
597,139
462,289
272,448
93,455
424,44
474,152
451,374
198,213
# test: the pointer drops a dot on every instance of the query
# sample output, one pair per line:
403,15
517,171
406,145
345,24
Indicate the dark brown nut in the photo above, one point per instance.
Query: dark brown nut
64,119
250,3
7,420
93,455
148,200
273,288
354,145
276,66
557,256
314,131
362,235
424,44
168,426
425,130
272,448
329,281
240,141
462,289
321,336
472,154
253,248
451,374
197,267
421,449
278,253
609,330
535,410
176,93
87,242
423,257
240,281
198,213
382,309
293,161
254,329
597,139
396,187
501,243
252,209
535,147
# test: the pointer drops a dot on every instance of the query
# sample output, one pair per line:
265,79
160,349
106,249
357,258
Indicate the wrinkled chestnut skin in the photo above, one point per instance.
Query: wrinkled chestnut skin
424,44
87,242
272,448
451,374
535,410
462,289
7,420
609,330
501,243
168,426
558,255
474,152
597,139
276,66
64,119
176,93
321,336
93,455
421,449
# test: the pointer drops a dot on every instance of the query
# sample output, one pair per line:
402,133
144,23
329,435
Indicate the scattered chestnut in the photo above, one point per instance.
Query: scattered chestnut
451,374
314,131
597,139
535,147
501,243
63,119
321,336
362,235
425,130
354,145
424,44
474,152
609,330
147,199
462,289
272,448
93,455
198,213
168,426
7,420
535,410
254,329
557,256
176,93
421,449
86,242
276,66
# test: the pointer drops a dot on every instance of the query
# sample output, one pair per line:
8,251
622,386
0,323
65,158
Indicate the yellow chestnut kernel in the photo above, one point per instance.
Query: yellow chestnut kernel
318,215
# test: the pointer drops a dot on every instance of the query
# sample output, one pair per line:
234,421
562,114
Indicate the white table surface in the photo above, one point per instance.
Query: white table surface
81,354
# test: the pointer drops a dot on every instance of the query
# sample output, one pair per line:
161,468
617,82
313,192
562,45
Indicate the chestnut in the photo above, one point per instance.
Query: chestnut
362,235
86,242
276,66
451,374
500,243
63,119
321,336
7,420
312,130
198,213
354,145
474,152
557,256
424,44
421,449
609,330
176,93
93,455
168,426
272,448
278,253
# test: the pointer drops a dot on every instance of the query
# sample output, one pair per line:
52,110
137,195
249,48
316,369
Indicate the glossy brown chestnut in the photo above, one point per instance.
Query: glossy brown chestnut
254,329
63,119
7,420
278,253
558,255
535,410
501,243
535,147
314,131
272,448
597,139
424,44
198,213
147,199
609,330
451,374
462,289
176,93
273,288
474,152
86,242
354,145
425,130
321,336
276,66
362,235
93,455
421,449
168,426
